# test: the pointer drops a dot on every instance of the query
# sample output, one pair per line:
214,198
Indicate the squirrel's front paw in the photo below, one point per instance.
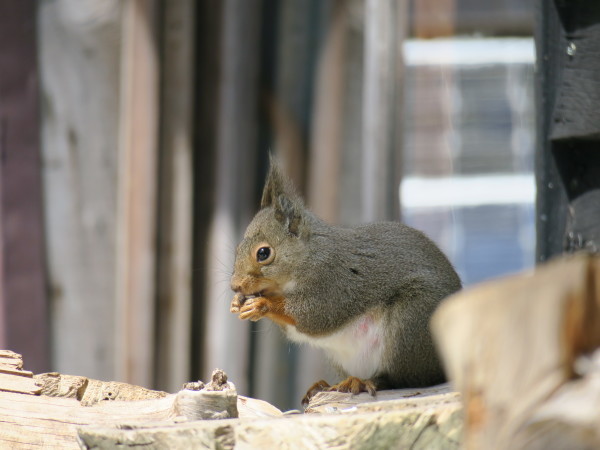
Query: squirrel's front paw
254,308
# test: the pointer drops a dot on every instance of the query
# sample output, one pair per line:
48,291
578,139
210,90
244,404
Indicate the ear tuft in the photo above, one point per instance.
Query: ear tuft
280,194
277,184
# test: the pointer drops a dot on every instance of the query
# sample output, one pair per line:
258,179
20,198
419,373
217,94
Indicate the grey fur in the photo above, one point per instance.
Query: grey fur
341,273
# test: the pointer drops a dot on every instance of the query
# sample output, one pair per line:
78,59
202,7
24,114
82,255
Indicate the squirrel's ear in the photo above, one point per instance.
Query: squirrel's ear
289,214
276,185
281,195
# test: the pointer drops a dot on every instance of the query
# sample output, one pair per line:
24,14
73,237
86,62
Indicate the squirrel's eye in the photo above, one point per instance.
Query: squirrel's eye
262,254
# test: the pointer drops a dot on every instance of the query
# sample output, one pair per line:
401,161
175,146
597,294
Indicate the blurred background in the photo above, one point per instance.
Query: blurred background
134,141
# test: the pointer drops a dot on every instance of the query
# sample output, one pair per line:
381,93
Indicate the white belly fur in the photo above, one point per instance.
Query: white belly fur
357,347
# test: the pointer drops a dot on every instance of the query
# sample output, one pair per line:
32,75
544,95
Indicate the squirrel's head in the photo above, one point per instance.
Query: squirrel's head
272,248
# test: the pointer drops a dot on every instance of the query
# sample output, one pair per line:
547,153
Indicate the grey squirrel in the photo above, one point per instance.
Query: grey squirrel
363,294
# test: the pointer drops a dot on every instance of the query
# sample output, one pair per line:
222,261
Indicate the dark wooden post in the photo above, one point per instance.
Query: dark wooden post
568,148
23,297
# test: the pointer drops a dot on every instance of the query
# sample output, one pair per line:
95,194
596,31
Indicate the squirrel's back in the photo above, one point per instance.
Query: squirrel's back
364,266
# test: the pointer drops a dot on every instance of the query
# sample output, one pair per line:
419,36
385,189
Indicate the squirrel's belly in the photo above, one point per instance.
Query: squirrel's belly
356,347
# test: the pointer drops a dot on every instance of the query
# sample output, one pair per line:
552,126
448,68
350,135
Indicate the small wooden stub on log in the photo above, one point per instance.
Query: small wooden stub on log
215,400
523,352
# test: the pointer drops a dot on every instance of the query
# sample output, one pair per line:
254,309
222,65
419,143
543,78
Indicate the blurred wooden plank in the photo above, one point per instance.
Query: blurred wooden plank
136,227
79,60
23,294
512,347
174,297
325,146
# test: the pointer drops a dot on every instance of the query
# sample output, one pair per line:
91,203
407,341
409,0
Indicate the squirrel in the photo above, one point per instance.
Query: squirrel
363,294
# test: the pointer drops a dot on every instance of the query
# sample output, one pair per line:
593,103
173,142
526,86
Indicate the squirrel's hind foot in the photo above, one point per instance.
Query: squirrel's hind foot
355,386
317,387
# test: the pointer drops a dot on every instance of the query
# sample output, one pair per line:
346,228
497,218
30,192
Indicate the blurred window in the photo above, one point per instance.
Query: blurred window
469,143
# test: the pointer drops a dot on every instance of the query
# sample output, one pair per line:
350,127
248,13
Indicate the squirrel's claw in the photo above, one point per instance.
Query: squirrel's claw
254,309
319,386
355,386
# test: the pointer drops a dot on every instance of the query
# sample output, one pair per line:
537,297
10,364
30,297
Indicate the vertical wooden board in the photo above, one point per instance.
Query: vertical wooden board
173,334
226,336
294,27
209,33
380,103
23,297
136,225
352,145
79,57
326,126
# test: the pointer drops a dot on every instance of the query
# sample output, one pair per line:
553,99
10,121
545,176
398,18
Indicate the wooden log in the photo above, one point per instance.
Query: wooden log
415,424
419,418
12,376
60,404
511,347
327,402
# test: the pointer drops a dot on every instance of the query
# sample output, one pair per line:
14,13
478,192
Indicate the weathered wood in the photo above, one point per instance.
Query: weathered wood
59,418
392,424
174,297
215,400
384,31
10,360
60,404
570,418
568,130
23,294
327,402
19,383
79,46
89,391
512,348
136,221
325,146
226,338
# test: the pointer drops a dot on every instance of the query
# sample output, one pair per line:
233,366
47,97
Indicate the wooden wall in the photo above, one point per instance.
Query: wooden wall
119,212
157,117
